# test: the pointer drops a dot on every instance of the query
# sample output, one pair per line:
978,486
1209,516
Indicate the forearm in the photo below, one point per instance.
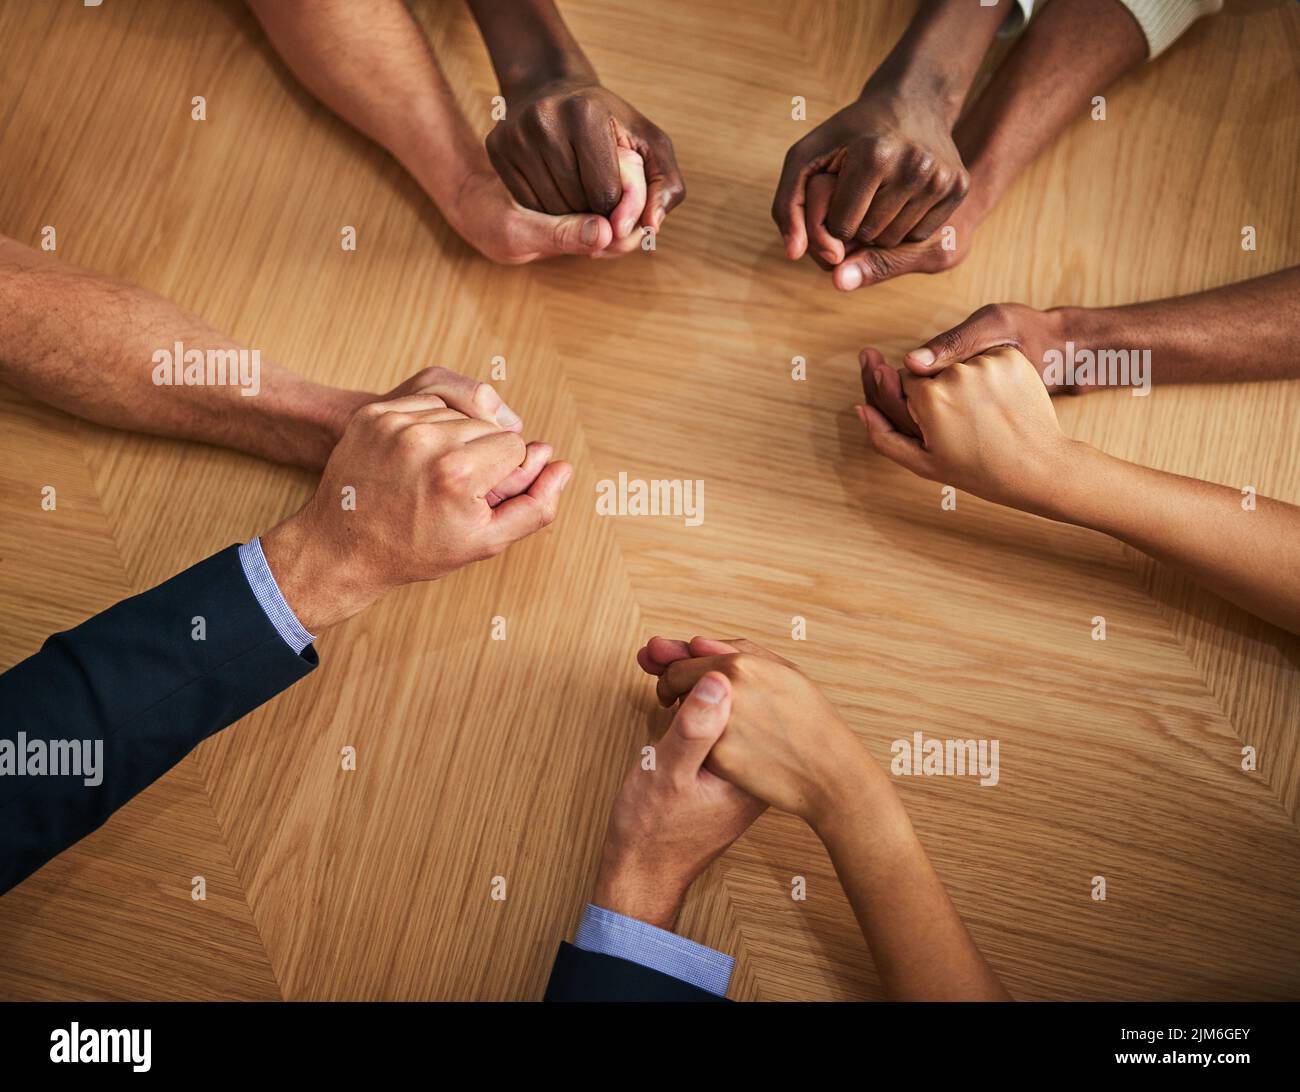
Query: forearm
1249,553
1238,332
86,344
921,948
371,65
1045,83
529,44
940,52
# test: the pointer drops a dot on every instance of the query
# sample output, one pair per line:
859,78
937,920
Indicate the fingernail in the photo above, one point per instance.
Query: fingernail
851,278
590,232
506,417
921,357
564,481
829,256
861,411
709,690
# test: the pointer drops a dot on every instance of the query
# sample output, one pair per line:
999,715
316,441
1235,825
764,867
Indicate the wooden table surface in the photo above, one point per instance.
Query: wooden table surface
480,758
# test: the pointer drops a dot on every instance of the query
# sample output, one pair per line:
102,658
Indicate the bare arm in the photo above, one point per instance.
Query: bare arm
86,344
987,426
529,44
1185,335
920,945
1045,83
1242,547
1259,318
785,744
369,62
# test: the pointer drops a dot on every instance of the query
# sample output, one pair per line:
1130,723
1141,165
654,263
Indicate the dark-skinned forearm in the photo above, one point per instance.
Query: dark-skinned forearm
529,44
1045,83
1238,332
940,52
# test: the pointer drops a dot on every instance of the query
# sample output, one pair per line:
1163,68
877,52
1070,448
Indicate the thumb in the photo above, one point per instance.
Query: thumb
873,264
963,341
698,725
576,233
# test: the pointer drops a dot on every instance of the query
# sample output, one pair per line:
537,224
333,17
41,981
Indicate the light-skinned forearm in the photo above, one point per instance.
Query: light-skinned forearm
529,45
86,343
1250,556
1187,335
1045,83
371,65
921,948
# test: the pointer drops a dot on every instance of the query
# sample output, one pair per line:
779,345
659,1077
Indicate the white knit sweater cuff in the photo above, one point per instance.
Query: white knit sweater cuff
1017,16
1164,21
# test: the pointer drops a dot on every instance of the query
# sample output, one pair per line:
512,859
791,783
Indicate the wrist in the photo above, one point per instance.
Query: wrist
910,78
938,55
1070,483
1094,329
558,71
312,423
637,891
849,784
866,817
318,584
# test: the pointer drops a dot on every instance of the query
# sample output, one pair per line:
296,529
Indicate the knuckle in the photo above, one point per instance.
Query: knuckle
879,262
518,446
578,107
537,120
918,163
437,374
414,444
948,342
608,196
999,314
877,151
453,469
426,377
484,396
795,155
740,665
389,424
515,240
546,513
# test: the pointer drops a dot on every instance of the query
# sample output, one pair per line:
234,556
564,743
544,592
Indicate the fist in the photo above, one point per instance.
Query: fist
414,490
557,152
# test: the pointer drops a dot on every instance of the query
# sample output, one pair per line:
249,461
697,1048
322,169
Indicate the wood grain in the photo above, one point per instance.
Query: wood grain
481,758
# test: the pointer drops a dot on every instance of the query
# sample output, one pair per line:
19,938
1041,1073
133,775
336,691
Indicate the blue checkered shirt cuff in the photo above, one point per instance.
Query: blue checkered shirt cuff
267,593
607,933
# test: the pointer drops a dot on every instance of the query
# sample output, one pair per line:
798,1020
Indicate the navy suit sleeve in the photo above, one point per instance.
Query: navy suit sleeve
591,976
135,680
